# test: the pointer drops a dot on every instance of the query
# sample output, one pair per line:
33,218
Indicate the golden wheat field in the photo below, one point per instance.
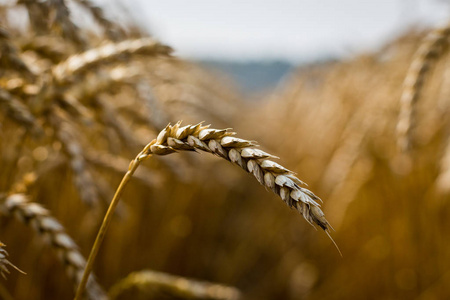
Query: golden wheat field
198,213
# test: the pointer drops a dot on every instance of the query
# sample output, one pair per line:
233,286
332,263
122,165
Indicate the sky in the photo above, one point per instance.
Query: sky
284,29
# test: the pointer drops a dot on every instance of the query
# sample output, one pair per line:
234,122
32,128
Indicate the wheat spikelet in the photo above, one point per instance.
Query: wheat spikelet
80,62
4,262
157,284
431,48
53,232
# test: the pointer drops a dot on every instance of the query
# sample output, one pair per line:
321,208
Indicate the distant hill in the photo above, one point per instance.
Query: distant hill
252,76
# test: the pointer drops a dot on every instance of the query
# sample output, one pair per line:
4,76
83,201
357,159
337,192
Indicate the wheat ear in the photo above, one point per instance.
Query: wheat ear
431,47
162,284
80,62
241,152
47,226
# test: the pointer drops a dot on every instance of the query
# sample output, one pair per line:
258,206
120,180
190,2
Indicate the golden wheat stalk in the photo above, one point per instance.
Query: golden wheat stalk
53,232
430,48
5,263
157,284
241,152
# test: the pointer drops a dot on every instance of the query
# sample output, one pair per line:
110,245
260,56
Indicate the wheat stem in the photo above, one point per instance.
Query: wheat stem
106,221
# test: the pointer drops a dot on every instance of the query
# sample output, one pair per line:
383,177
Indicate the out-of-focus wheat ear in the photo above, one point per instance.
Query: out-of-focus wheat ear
442,183
17,111
430,49
117,164
66,134
5,263
156,285
77,63
60,22
10,58
54,234
111,29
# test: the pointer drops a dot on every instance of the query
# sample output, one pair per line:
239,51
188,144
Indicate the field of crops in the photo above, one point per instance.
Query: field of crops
203,217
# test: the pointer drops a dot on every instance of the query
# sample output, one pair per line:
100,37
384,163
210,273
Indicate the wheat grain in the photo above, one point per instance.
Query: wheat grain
430,48
53,232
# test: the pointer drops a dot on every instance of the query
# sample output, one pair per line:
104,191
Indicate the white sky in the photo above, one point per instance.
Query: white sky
286,29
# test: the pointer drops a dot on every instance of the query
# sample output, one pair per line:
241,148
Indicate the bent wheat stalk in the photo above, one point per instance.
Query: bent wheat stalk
241,152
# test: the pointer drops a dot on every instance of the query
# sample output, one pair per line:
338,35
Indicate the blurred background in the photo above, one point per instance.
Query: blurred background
321,84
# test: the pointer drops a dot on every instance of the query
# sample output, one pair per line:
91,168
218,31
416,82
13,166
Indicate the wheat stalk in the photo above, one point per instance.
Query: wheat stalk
241,152
53,232
431,48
